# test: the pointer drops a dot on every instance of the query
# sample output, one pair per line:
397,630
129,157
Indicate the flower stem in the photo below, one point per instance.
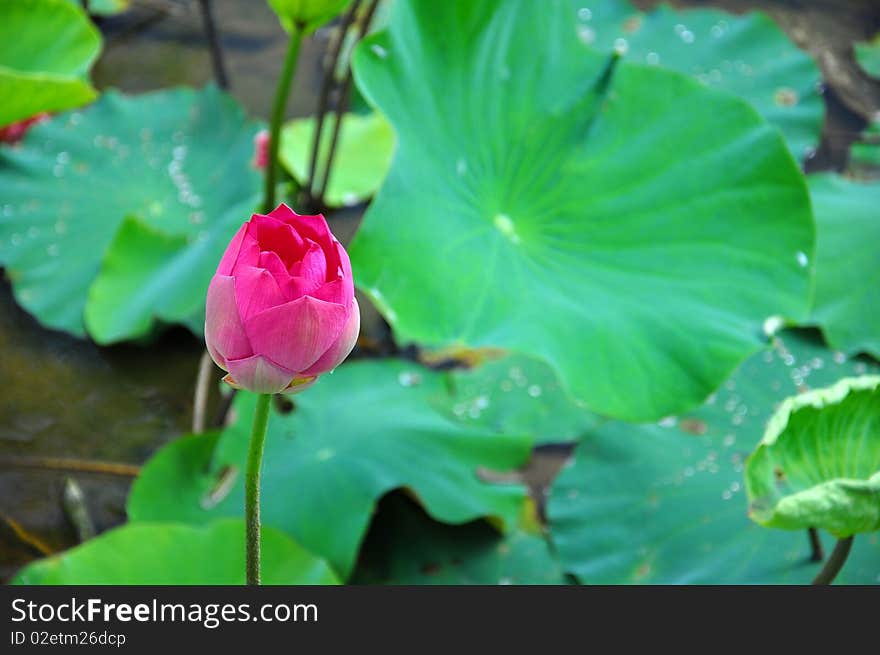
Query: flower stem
817,554
835,562
200,398
278,107
217,62
318,190
324,98
252,489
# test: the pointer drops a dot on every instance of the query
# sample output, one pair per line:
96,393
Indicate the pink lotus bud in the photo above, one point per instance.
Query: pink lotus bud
15,132
281,308
261,150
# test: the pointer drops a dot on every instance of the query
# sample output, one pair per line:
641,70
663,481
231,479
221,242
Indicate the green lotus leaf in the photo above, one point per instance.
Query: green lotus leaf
176,162
564,209
868,56
747,55
368,428
360,163
404,546
518,395
46,50
665,503
818,464
170,554
311,14
847,296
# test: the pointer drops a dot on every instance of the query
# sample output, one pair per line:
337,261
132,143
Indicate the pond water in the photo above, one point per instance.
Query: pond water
67,398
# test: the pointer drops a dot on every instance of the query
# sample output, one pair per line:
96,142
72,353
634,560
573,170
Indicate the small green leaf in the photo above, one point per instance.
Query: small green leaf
178,160
818,464
368,428
46,50
170,554
133,282
868,56
309,13
544,203
360,163
847,296
665,503
404,546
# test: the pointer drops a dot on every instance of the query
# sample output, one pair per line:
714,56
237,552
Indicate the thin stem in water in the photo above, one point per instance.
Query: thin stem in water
214,43
337,125
70,465
252,489
341,104
278,107
73,500
835,562
200,399
817,553
25,537
324,96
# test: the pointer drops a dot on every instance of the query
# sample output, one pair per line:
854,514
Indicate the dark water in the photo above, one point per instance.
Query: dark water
64,397
141,55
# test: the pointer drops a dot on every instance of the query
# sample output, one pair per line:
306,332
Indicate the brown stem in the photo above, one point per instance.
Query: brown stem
362,28
70,465
817,553
324,97
217,62
73,501
28,539
337,125
835,562
200,400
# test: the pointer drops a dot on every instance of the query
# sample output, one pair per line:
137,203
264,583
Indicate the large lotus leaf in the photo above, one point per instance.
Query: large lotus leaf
518,395
747,55
665,503
404,546
366,429
635,242
46,49
818,464
360,163
847,297
177,162
868,56
171,554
